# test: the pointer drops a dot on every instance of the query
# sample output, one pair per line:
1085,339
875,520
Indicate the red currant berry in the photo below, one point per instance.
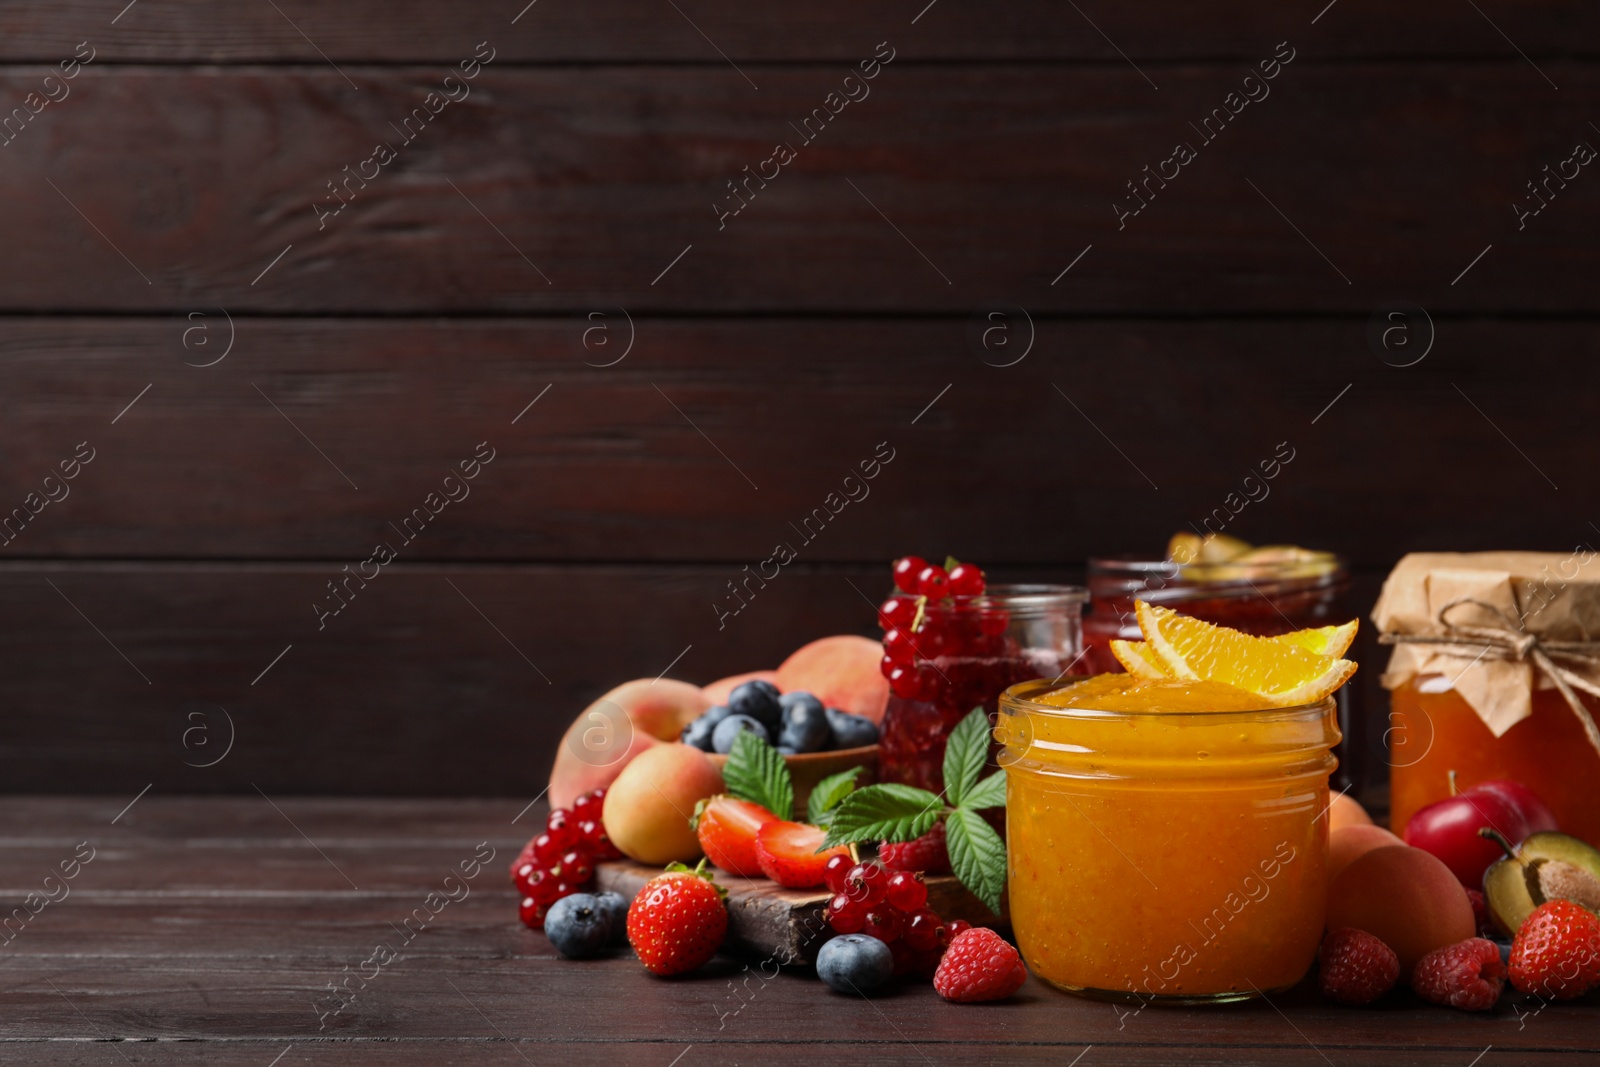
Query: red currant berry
933,583
906,569
834,871
951,929
845,914
906,891
542,885
905,957
867,881
547,850
575,868
525,856
883,923
898,647
922,930
586,807
929,641
896,611
905,682
562,828
887,667
563,888
993,623
531,912
966,580
522,877
594,836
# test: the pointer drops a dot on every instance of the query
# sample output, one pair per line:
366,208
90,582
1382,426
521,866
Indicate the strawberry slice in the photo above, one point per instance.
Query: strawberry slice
787,852
726,827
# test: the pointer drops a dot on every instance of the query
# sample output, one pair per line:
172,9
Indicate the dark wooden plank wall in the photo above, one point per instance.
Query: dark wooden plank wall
161,214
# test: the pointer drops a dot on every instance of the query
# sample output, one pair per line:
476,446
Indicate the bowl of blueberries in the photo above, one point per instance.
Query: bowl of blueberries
815,740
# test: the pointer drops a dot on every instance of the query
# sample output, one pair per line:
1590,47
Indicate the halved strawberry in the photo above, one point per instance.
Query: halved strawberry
727,829
787,852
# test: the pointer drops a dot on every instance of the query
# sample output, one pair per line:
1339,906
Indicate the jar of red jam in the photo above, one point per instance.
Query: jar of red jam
1271,591
975,648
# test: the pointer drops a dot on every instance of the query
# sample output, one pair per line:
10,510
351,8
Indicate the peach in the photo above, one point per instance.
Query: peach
1347,843
842,672
717,692
648,807
1345,810
611,732
1405,897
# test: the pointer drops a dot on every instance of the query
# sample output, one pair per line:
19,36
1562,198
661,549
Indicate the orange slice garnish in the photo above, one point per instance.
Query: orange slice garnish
1323,640
1139,659
1284,673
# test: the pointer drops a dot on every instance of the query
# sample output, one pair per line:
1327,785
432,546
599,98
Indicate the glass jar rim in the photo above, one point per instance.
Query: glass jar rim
1020,697
1326,566
1022,597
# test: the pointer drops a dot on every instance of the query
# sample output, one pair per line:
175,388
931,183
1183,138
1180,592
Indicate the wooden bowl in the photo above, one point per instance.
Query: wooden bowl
809,768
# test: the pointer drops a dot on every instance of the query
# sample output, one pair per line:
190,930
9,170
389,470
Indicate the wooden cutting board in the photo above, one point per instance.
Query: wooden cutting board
787,925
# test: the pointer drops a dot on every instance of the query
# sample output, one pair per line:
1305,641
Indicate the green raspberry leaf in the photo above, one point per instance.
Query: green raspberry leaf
829,794
755,771
964,755
950,564
977,856
889,812
989,793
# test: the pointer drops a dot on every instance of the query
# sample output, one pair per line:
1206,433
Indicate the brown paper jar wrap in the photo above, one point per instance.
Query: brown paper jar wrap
1498,624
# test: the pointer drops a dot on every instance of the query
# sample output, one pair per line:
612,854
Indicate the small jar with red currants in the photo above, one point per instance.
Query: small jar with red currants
951,643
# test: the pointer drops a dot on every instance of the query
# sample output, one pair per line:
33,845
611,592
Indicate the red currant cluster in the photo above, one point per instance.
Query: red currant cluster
930,618
892,906
560,861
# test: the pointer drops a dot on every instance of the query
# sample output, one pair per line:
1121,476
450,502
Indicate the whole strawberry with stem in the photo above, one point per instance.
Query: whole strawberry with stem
678,920
1556,953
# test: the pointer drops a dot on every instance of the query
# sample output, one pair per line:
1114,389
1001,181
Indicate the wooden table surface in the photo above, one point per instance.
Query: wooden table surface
208,930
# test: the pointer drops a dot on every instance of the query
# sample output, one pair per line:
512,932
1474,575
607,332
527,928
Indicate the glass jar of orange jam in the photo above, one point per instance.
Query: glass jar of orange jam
1164,843
1433,731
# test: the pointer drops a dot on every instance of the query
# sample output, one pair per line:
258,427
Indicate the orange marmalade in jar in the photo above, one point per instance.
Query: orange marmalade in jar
1495,675
1166,838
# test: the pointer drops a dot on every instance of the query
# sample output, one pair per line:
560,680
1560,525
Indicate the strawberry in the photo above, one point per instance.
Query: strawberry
1467,975
1357,968
979,965
787,853
927,853
1556,952
678,920
727,829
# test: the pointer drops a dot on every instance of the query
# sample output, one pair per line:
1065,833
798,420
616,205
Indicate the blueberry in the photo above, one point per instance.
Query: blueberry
787,750
759,700
805,727
852,963
698,733
717,714
579,926
615,906
851,731
797,699
723,736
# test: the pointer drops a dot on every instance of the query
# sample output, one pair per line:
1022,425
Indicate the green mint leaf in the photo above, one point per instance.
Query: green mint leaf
977,856
755,771
964,755
828,794
889,812
989,793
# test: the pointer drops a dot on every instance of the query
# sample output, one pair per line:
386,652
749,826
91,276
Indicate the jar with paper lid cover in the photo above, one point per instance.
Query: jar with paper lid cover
1495,674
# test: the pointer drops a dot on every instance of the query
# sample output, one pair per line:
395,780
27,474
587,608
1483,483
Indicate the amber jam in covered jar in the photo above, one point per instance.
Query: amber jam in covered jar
977,647
1165,842
1480,640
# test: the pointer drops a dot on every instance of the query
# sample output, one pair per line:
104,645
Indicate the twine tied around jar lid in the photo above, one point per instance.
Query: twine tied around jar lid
1507,644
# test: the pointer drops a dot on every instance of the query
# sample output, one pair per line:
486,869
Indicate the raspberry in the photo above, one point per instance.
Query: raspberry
1466,975
927,853
1556,953
979,965
1357,968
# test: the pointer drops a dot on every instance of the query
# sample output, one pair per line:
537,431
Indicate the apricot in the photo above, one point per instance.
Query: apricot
615,729
648,807
718,691
1405,897
1345,810
1349,842
842,672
